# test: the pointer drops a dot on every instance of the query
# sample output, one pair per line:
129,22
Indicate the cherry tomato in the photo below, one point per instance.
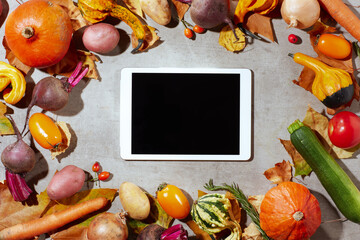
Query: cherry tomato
293,38
334,46
344,129
173,201
198,29
188,33
96,167
44,131
103,176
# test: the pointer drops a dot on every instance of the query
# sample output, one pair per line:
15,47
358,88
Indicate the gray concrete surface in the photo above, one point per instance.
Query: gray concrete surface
93,114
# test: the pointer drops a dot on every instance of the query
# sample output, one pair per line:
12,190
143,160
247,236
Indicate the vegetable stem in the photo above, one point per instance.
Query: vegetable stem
295,126
242,199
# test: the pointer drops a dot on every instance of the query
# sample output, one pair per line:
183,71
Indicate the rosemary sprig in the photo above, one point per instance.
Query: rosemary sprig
242,199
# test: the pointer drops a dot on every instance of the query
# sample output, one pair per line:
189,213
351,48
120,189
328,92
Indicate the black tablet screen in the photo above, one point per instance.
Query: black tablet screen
179,113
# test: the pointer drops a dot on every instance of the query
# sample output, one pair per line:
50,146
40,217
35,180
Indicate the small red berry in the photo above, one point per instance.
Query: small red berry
188,33
293,38
198,29
103,176
96,167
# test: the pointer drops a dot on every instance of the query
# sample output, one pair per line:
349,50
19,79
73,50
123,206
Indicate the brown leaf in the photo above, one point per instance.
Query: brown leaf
74,13
235,213
300,165
251,233
200,234
256,200
201,193
151,38
227,39
6,128
135,7
260,24
181,8
282,172
14,61
65,143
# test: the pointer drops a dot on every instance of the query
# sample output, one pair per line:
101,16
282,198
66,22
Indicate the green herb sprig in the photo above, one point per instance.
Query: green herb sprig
242,199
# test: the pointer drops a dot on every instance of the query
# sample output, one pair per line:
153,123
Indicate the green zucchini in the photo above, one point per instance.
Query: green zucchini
336,182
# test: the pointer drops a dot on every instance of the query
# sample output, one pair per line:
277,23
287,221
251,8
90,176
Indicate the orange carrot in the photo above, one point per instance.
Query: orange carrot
343,15
52,222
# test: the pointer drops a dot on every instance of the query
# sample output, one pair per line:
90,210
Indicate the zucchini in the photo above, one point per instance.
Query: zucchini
334,179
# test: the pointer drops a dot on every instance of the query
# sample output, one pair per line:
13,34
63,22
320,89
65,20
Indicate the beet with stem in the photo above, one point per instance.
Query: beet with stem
18,159
52,94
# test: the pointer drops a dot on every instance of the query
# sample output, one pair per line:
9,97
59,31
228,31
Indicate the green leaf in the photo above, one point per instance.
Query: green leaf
157,215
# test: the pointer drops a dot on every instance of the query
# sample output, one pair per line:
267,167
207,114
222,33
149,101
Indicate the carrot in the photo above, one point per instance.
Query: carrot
343,15
52,222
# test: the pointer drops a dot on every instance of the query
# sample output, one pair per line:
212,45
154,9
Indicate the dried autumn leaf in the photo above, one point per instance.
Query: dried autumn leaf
199,233
235,212
307,76
282,172
65,143
74,13
151,38
14,61
260,24
135,7
6,128
300,165
251,233
256,200
181,8
157,215
227,39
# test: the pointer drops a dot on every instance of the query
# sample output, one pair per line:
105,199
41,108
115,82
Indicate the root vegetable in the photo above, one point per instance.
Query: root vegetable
108,226
151,232
134,201
18,158
66,182
52,222
52,94
101,38
158,10
211,13
300,13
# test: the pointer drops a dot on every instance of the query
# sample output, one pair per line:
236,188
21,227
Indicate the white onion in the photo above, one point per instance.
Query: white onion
300,13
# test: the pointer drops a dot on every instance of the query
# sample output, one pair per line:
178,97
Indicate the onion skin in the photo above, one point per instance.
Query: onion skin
108,226
300,14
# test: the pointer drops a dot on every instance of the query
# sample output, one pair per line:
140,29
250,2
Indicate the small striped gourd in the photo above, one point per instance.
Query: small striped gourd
211,213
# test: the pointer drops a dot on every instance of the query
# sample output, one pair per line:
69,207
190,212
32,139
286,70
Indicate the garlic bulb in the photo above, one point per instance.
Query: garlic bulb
300,13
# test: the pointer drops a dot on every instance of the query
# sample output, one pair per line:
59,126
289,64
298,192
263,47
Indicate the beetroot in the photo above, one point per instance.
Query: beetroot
211,13
18,159
52,94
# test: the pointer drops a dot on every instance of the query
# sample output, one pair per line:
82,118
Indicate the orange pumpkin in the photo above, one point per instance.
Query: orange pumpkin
39,33
289,212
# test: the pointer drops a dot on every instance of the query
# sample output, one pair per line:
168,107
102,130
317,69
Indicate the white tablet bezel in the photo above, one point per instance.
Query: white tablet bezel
245,115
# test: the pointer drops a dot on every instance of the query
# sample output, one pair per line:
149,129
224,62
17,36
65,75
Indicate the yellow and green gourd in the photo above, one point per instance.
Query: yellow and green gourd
332,86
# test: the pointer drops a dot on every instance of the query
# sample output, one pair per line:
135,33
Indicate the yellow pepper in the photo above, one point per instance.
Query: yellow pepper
10,74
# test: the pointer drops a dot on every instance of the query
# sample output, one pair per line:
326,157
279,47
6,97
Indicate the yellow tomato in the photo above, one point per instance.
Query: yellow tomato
44,131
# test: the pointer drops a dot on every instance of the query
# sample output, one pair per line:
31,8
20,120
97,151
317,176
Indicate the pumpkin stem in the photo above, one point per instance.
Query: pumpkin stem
298,216
27,32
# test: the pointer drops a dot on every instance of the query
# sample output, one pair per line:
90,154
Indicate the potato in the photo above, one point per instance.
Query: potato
66,182
134,201
157,10
101,38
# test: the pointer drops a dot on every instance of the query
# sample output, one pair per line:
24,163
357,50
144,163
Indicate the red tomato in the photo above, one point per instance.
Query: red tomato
334,46
293,38
344,129
173,201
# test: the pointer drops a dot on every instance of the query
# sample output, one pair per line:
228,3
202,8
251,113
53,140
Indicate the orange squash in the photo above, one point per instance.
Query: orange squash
39,33
290,212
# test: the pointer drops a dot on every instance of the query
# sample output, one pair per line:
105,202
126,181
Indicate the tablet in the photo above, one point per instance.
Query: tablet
185,114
